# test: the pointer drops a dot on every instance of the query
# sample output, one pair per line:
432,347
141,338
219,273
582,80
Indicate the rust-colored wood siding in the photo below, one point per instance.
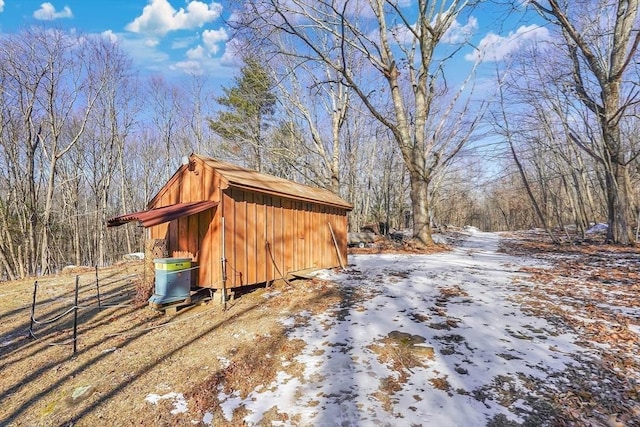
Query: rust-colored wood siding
269,236
265,235
196,235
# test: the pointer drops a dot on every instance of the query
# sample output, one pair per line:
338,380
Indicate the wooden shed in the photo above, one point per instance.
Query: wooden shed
242,227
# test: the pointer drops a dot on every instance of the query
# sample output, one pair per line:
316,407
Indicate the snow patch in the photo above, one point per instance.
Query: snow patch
207,419
462,304
597,228
179,402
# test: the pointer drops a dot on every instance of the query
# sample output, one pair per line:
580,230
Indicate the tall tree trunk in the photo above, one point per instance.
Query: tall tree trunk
534,202
619,205
31,251
420,209
123,195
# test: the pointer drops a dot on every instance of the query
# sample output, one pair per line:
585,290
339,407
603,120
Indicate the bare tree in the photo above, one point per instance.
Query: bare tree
197,136
317,101
23,65
111,122
73,80
52,82
165,107
429,121
502,125
601,41
507,206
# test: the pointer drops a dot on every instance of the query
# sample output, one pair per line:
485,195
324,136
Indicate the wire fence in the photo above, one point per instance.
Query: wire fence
85,297
96,298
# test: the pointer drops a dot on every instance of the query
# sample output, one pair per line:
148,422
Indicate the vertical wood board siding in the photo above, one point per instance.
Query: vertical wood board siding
265,235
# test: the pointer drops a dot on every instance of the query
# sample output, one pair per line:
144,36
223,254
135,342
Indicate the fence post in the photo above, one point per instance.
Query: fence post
98,289
33,309
75,316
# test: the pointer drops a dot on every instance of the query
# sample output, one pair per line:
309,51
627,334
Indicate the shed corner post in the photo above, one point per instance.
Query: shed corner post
223,264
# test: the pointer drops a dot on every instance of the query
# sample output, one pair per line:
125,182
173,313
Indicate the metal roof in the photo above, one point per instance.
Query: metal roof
240,177
157,216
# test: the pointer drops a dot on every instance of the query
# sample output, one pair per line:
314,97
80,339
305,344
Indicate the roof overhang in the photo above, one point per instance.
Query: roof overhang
156,216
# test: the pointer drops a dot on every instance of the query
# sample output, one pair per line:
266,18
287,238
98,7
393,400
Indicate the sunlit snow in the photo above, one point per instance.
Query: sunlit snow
179,402
489,340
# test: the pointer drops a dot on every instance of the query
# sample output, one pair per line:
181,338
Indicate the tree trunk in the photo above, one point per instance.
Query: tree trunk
45,254
6,249
123,195
420,210
619,206
31,253
541,216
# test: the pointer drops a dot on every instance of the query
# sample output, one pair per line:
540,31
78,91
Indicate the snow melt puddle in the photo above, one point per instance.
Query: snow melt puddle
481,345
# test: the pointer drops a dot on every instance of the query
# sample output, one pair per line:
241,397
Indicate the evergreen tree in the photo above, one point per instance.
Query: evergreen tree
249,105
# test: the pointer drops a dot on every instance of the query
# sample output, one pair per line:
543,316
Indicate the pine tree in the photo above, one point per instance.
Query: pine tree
249,105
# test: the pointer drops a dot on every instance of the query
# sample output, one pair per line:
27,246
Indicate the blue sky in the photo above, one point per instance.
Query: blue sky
168,36
177,36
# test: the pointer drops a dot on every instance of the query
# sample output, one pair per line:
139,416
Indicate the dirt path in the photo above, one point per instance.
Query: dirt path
434,339
456,339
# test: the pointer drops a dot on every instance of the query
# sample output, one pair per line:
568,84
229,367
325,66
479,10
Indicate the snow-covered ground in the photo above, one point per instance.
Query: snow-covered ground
419,340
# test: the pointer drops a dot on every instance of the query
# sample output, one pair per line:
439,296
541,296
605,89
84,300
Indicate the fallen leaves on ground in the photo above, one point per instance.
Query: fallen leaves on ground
592,291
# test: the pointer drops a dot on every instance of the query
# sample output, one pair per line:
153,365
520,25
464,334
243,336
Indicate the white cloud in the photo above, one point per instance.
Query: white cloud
458,33
144,53
211,66
495,48
110,35
1,5
201,57
211,39
47,12
195,53
159,17
189,67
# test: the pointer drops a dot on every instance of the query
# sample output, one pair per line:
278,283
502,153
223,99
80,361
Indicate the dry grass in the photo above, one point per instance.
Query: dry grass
402,352
249,368
127,351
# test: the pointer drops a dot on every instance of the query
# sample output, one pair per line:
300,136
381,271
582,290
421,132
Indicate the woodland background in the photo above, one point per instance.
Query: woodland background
364,107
